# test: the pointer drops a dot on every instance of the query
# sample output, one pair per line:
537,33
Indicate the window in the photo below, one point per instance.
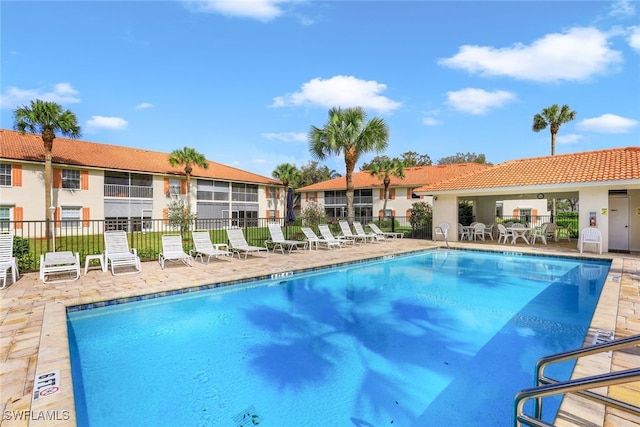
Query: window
272,193
71,179
5,174
71,216
175,186
244,193
525,214
272,215
5,217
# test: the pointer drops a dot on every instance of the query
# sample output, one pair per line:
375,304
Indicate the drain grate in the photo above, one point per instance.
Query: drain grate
247,418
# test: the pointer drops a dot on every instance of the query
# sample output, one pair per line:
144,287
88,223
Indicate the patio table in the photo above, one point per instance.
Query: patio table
519,232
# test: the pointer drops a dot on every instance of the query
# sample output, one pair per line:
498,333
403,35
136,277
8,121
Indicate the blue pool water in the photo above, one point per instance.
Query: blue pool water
432,339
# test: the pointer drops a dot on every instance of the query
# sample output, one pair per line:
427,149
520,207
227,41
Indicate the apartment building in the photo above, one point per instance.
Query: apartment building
369,190
123,186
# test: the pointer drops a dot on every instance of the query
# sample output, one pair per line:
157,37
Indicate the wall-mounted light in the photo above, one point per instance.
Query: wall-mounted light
435,197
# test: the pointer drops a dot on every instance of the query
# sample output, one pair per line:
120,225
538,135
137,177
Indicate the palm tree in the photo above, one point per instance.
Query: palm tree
290,175
348,132
47,119
188,157
554,117
384,169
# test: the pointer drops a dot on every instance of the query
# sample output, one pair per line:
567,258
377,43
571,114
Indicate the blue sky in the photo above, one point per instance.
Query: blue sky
242,81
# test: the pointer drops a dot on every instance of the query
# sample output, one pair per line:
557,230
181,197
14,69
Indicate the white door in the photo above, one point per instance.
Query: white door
619,224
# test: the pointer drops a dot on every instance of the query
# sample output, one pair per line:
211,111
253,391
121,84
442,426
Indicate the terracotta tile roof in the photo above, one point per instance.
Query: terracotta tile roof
617,164
414,177
29,147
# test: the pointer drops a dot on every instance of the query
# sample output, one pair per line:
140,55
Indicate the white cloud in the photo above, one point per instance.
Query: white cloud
571,138
622,8
577,54
478,101
144,106
607,123
340,91
60,93
634,38
259,161
430,121
287,136
102,122
261,10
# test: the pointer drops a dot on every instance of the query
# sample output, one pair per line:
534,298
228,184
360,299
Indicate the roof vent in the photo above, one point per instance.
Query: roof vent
618,192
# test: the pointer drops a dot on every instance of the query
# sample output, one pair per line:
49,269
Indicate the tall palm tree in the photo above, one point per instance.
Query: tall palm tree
188,157
554,117
290,175
348,133
384,169
47,119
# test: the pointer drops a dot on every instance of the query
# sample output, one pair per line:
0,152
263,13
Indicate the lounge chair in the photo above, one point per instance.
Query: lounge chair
7,260
590,235
379,232
368,236
202,246
442,229
278,240
313,239
118,254
238,243
328,236
172,250
347,234
64,266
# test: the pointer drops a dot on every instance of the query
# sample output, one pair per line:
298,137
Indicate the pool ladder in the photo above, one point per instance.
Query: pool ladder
550,387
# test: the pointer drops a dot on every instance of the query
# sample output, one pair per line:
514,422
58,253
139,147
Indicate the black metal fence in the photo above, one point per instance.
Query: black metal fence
86,236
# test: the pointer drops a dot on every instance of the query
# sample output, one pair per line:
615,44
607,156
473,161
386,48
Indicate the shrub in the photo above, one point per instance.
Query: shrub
313,214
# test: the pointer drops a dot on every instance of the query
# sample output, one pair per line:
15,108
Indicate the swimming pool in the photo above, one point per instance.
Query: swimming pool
436,338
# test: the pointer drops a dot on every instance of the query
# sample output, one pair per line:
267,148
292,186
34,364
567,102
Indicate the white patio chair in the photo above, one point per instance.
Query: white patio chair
551,231
590,235
504,234
357,225
202,246
488,231
118,254
313,239
379,232
441,229
172,250
563,233
478,231
7,260
278,240
238,243
347,234
463,232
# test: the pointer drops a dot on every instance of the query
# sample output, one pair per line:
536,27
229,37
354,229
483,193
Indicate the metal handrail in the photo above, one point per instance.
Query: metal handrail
580,386
576,385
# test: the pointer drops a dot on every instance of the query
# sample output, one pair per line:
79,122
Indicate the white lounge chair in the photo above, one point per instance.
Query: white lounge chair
379,232
172,250
7,260
118,254
347,234
63,266
238,243
590,235
441,229
368,236
313,239
278,240
202,246
328,236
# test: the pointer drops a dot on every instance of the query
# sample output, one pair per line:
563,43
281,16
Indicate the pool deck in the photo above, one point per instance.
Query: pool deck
33,335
